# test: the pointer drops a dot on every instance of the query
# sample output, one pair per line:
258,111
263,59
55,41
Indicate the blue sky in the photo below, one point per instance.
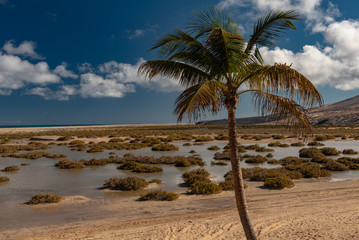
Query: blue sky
73,62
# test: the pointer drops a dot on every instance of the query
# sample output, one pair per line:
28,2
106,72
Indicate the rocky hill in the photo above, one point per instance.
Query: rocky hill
345,112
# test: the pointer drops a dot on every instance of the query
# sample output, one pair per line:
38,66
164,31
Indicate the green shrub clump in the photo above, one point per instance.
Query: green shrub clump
155,180
278,144
44,198
204,139
213,148
165,147
159,195
256,159
219,163
4,179
309,152
13,168
67,164
329,151
297,144
139,168
333,165
126,184
349,151
278,183
196,175
205,188
315,144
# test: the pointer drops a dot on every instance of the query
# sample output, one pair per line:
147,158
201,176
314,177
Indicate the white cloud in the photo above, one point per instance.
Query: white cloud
127,73
85,67
63,72
25,49
132,34
335,62
62,93
16,73
92,85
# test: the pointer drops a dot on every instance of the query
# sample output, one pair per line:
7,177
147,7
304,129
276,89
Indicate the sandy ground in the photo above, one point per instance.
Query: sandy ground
313,209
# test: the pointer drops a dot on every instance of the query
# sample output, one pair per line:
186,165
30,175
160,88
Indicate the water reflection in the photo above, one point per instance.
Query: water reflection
40,176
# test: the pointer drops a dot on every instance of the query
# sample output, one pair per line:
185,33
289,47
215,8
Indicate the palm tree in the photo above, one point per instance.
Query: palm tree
217,66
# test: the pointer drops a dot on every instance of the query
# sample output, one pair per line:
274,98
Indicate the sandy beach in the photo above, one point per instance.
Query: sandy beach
313,209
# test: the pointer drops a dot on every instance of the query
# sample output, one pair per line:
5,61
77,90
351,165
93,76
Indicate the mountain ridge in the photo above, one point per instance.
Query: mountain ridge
345,112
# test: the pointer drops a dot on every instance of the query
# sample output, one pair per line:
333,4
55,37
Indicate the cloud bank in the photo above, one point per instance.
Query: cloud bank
110,79
334,63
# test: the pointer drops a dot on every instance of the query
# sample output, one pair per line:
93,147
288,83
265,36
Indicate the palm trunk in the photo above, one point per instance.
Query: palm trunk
237,174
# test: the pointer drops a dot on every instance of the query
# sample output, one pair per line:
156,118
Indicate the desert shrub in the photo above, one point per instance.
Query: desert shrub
205,188
67,164
126,184
4,179
198,144
312,170
203,139
278,137
96,149
219,163
315,144
228,185
165,147
187,145
297,144
335,166
349,151
221,137
222,155
155,180
320,158
195,176
329,151
256,159
139,168
309,152
278,183
292,160
24,164
116,140
35,155
324,137
76,142
64,138
95,162
13,168
159,195
44,198
264,149
183,163
252,147
151,141
213,148
8,149
269,155
274,161
277,144
352,163
192,151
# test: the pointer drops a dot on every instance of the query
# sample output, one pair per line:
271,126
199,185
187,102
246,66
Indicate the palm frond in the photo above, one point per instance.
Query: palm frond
284,109
284,80
187,75
195,101
203,22
270,27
